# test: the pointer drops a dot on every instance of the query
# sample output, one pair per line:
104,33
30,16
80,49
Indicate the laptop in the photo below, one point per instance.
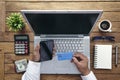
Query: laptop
63,26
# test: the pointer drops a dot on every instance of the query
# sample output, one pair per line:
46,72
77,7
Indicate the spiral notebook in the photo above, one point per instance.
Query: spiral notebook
103,57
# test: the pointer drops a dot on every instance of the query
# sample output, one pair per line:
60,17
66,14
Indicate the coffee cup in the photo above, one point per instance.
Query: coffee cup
105,26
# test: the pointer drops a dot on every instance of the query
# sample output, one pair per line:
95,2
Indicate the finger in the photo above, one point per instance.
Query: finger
37,48
75,61
80,55
53,53
54,50
71,60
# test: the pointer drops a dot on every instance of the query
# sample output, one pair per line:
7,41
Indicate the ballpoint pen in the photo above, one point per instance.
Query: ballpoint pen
116,56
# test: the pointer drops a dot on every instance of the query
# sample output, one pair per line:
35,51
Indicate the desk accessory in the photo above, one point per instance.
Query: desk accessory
109,38
103,57
21,65
46,50
21,44
116,55
105,26
15,22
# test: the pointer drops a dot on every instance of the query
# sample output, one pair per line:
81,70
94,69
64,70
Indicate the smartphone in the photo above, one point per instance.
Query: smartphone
46,50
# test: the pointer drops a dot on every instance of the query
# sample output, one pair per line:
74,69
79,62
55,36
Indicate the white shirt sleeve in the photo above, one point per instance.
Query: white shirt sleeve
32,71
90,76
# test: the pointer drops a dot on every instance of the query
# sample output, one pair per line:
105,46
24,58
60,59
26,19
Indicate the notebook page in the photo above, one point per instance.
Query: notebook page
103,57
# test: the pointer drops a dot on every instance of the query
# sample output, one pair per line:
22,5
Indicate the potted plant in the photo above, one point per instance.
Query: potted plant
15,22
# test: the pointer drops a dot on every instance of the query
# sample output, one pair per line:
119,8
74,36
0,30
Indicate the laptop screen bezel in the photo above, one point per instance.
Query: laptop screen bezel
63,11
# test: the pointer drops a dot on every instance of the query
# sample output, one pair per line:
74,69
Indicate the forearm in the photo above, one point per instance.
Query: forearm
32,71
90,76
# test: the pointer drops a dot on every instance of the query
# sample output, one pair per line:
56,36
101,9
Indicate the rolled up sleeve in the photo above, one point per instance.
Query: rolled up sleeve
32,71
90,76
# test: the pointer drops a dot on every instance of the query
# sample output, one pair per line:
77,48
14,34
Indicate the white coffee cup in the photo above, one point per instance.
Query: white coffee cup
105,26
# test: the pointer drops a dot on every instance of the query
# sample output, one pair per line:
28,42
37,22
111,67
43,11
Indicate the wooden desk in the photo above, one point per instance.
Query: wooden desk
7,57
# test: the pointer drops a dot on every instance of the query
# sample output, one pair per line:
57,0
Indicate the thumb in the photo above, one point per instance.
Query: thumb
75,60
37,48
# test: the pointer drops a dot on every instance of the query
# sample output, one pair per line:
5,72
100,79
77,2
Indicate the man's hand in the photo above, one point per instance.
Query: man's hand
81,62
36,54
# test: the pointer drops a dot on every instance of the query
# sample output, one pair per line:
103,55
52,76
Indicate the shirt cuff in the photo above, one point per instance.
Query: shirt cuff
90,76
33,67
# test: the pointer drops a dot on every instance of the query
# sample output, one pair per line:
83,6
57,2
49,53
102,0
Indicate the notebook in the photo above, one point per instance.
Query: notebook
103,57
66,26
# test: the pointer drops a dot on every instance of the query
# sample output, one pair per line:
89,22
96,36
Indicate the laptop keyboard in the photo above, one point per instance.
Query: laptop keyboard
69,45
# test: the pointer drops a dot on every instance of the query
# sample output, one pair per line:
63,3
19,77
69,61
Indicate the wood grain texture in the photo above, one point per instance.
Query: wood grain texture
2,16
65,77
1,63
13,76
1,36
106,6
76,77
11,58
2,19
2,0
108,76
66,0
44,77
111,11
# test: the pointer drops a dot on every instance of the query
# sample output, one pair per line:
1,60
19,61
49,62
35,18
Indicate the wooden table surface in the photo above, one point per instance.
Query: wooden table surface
7,57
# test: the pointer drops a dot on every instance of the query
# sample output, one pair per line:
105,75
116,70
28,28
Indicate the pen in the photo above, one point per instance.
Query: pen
116,56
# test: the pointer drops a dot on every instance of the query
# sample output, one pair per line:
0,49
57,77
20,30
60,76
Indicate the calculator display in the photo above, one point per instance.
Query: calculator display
21,37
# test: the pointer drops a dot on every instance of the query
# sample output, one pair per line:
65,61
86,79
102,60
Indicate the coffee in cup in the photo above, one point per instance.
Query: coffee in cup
105,26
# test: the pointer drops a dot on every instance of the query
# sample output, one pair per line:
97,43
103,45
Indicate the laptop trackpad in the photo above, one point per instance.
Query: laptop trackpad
58,67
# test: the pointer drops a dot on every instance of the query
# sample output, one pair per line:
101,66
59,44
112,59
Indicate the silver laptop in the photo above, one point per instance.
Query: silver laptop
70,31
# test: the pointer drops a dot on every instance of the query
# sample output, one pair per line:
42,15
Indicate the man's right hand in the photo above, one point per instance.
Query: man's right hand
81,62
36,54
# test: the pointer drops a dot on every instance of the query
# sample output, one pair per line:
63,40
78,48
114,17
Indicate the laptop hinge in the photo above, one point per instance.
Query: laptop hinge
61,36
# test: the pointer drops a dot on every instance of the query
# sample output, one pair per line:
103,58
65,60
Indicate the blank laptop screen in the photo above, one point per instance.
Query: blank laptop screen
61,23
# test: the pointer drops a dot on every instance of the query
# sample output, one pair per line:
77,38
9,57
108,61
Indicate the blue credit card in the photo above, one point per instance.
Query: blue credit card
64,56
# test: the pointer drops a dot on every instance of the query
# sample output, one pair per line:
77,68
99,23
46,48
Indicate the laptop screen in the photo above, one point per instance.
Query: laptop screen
48,22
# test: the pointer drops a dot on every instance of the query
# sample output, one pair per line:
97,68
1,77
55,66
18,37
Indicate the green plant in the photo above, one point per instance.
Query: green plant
15,22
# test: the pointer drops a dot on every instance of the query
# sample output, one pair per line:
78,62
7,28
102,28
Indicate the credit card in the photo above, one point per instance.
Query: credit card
64,56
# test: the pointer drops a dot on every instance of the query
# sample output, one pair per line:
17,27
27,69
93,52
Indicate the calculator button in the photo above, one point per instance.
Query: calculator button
22,44
19,42
26,42
20,52
16,50
20,47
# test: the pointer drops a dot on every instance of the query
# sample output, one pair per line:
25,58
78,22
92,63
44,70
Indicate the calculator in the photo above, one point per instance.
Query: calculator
21,44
